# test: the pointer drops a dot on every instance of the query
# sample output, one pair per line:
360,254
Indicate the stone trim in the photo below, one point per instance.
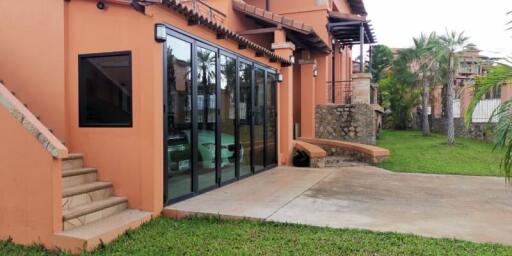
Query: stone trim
17,110
283,45
307,62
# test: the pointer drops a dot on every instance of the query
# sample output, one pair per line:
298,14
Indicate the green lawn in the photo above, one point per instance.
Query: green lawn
202,236
412,152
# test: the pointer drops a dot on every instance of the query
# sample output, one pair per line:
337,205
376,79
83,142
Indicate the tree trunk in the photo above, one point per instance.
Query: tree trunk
450,127
425,126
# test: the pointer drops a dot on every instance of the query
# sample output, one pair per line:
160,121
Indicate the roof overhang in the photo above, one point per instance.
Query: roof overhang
357,7
297,30
222,31
348,28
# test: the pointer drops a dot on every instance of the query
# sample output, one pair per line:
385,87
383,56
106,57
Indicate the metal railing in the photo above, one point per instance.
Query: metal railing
339,92
205,9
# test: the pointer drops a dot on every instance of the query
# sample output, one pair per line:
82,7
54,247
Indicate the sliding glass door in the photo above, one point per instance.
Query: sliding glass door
270,120
219,119
228,117
245,118
259,119
178,118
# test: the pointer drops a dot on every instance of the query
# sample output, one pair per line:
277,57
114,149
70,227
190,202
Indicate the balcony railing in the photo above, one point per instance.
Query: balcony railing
339,92
205,9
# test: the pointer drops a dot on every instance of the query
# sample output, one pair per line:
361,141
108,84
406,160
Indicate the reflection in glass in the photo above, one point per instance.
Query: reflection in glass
206,113
270,120
227,116
106,90
179,88
259,119
244,110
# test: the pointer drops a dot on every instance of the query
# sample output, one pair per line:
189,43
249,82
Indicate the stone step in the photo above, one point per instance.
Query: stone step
85,194
84,214
92,235
80,176
73,161
92,207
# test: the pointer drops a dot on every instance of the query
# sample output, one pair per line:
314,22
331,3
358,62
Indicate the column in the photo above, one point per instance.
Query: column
285,100
307,97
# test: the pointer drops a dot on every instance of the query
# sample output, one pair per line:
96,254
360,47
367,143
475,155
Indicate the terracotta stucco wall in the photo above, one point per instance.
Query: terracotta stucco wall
32,57
131,158
30,186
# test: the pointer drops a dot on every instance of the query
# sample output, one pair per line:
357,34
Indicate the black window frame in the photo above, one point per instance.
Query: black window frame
82,97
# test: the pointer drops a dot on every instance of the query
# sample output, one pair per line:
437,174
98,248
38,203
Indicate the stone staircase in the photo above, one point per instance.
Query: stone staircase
91,213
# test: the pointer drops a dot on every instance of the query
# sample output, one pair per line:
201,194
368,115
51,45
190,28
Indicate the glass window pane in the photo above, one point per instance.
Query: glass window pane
179,88
244,110
206,113
105,90
270,118
259,119
227,116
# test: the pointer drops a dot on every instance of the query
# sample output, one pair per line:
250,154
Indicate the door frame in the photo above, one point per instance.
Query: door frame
166,109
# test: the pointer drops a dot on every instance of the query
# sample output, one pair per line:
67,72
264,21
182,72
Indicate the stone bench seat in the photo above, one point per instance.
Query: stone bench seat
360,152
315,153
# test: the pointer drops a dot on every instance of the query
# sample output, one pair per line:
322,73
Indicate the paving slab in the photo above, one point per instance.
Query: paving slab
464,207
256,197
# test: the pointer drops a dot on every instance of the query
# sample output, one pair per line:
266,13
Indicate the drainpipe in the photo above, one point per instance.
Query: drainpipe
333,75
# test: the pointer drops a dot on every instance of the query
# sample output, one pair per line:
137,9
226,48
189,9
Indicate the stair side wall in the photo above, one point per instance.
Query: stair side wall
30,186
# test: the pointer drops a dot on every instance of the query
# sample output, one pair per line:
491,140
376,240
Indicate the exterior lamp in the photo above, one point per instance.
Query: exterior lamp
292,59
315,72
160,33
280,78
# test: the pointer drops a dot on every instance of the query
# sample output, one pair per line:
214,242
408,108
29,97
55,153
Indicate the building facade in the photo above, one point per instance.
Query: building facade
166,99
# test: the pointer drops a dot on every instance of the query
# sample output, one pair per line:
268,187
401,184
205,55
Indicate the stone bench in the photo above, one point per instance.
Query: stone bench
316,154
356,151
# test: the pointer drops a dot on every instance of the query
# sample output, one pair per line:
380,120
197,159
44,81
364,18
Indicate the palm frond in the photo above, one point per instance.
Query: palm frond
503,135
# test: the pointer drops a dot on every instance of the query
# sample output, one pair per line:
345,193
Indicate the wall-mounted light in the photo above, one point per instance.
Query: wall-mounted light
160,33
101,5
315,72
333,41
280,77
292,59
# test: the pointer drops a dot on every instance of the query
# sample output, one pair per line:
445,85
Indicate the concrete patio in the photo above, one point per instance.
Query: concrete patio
470,208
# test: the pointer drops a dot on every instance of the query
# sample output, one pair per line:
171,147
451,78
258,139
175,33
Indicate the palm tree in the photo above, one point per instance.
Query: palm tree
452,42
497,77
206,65
399,95
425,57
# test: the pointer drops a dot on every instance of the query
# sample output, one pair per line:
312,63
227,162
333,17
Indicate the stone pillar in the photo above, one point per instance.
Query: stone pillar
285,100
307,96
361,83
